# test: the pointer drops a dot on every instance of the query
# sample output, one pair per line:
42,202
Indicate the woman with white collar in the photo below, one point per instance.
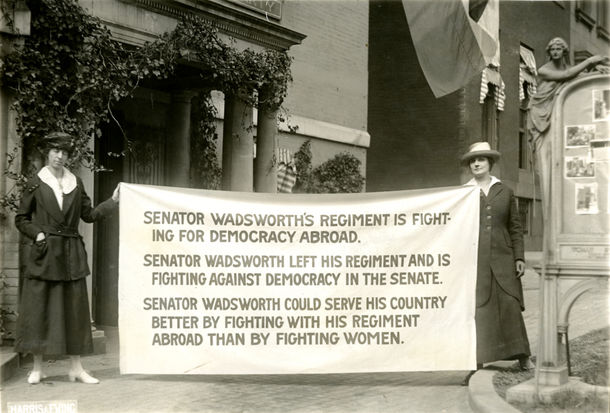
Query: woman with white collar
501,333
54,309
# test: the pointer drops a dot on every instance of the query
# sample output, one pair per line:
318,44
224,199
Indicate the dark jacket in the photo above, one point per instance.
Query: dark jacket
500,244
62,256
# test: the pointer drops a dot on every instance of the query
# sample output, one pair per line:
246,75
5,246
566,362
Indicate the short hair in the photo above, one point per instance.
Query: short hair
560,42
491,162
56,140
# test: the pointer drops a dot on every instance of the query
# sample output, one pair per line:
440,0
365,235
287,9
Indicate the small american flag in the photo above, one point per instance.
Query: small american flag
286,171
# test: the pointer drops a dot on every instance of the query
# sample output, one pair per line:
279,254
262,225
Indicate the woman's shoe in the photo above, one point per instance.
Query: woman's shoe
34,377
526,364
83,377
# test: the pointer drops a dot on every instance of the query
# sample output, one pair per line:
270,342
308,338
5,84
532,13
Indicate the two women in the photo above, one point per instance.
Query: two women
501,333
54,313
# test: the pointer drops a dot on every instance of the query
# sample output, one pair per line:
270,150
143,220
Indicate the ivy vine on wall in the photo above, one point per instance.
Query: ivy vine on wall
205,171
69,72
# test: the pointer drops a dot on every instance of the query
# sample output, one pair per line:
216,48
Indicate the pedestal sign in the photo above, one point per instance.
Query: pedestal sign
576,250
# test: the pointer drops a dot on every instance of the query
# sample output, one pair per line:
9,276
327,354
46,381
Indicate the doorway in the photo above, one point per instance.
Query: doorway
137,132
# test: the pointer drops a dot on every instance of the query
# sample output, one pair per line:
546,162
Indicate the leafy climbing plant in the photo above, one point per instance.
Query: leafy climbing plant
206,173
6,313
340,174
69,72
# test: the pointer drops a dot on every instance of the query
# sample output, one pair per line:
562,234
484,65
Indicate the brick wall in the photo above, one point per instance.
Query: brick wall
330,66
10,270
415,138
589,34
9,236
532,24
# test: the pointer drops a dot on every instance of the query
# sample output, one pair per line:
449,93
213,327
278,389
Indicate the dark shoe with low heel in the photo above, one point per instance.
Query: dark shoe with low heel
526,364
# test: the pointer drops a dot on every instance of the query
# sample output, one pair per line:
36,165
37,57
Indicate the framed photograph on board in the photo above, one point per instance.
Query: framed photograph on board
579,135
601,150
586,199
601,105
579,167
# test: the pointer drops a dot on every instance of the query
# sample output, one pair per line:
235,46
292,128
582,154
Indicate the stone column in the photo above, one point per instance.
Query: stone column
237,145
552,370
178,144
265,164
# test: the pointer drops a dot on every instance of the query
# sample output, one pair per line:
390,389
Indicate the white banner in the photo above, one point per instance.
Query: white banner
214,282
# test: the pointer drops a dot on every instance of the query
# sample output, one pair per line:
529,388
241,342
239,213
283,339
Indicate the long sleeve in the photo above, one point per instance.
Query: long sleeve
515,230
23,218
91,214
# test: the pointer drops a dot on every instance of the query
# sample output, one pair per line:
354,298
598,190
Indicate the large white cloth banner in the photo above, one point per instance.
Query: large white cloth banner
214,282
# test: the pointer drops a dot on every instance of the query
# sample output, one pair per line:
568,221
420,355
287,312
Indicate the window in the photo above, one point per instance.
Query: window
586,6
489,131
603,19
524,152
527,87
581,55
585,12
524,206
491,98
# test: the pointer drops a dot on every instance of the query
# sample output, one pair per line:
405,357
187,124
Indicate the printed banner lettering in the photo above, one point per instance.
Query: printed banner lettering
215,282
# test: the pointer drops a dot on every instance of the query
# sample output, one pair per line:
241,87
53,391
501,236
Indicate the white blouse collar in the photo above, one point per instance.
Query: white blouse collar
493,181
60,187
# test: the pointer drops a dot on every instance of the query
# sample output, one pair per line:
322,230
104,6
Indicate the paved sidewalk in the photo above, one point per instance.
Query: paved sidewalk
432,392
389,392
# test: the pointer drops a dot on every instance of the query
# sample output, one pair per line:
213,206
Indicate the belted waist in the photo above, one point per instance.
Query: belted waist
61,230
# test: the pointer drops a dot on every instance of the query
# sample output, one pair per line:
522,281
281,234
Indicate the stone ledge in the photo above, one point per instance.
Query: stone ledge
483,397
526,392
9,363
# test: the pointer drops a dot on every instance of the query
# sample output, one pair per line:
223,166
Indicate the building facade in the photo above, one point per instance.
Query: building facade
357,87
416,139
326,104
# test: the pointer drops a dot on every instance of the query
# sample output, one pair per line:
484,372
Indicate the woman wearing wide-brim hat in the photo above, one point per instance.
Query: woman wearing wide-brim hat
54,308
501,333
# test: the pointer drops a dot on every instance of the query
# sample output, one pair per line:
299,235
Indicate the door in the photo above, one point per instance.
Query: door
142,163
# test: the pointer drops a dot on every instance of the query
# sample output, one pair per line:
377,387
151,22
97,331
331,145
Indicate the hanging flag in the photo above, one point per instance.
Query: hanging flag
489,21
454,39
286,171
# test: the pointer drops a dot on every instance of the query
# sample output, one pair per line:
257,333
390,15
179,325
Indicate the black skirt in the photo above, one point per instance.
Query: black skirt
54,318
501,333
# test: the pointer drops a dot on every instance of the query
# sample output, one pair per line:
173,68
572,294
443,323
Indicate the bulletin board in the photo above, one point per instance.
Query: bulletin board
581,163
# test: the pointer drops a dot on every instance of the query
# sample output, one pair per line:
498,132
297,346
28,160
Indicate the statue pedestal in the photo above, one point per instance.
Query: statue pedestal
527,392
553,376
574,162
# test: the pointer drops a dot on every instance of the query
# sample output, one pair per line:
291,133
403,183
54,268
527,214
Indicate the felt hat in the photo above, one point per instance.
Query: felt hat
480,149
57,140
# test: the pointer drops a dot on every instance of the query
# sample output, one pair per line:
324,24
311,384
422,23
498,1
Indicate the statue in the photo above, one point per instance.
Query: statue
574,257
551,77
